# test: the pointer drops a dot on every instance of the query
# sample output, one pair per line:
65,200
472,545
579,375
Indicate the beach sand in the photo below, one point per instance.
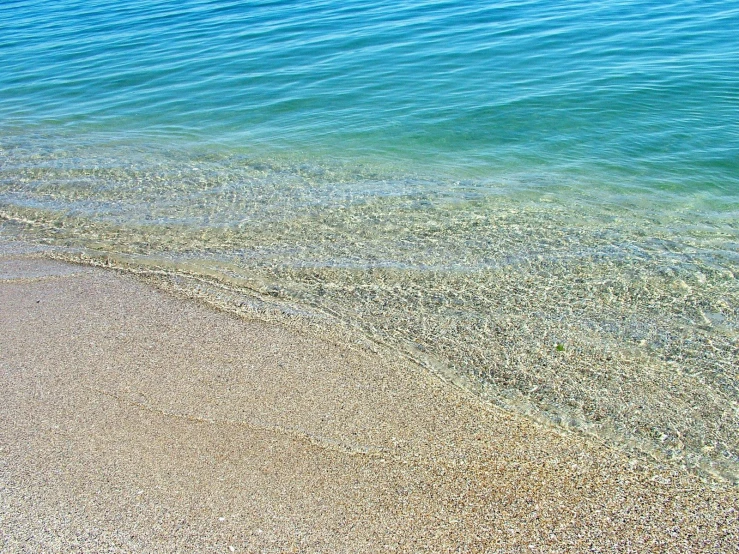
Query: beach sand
134,420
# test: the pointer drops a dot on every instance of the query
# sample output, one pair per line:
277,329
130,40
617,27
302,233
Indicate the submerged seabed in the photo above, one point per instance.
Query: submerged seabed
617,315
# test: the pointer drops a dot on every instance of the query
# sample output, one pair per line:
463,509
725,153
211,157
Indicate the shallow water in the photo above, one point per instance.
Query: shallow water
539,199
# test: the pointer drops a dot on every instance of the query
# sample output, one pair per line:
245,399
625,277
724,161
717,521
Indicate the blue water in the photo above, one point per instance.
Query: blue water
632,91
539,197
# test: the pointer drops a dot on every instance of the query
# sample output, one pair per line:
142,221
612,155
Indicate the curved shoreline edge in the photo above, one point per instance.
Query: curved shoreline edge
135,419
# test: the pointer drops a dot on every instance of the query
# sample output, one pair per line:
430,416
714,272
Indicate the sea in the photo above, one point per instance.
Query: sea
537,200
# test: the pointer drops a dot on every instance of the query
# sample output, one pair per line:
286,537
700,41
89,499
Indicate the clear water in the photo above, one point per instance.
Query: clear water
539,199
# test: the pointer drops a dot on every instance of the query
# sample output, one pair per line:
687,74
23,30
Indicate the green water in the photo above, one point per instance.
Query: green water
538,200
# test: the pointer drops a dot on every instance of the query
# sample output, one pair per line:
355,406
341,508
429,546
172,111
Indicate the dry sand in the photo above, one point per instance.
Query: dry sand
133,420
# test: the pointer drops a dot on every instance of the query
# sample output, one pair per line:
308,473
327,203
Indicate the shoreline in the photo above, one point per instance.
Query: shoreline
135,419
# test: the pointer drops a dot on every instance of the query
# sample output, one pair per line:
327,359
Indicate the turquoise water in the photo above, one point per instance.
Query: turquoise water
537,199
633,91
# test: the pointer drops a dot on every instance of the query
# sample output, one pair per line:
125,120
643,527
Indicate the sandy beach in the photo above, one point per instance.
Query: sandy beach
133,420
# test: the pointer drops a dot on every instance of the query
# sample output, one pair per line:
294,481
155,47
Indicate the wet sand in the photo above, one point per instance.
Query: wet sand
133,420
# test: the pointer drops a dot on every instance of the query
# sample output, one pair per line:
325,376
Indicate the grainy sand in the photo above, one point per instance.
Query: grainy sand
136,421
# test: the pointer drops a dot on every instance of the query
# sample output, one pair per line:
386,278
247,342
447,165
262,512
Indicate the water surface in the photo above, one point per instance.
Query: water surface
538,199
